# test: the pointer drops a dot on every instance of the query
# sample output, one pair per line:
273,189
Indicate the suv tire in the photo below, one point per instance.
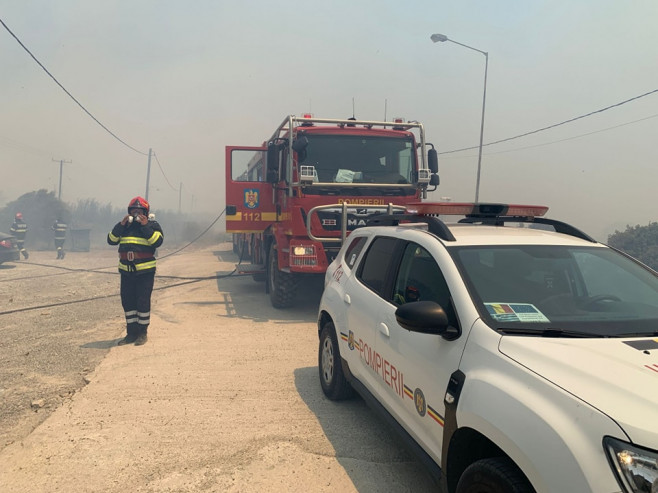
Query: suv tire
493,475
332,379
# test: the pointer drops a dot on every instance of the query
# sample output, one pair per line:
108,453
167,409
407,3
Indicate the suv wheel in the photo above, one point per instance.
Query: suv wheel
332,379
494,475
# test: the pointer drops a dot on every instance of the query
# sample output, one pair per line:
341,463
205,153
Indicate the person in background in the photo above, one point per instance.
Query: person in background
19,230
137,239
60,228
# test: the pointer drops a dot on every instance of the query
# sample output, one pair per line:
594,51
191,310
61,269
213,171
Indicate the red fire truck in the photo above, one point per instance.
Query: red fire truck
292,201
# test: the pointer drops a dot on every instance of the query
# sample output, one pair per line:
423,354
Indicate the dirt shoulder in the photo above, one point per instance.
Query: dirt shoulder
223,397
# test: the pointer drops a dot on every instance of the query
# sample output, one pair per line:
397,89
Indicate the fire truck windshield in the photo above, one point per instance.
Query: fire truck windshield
360,159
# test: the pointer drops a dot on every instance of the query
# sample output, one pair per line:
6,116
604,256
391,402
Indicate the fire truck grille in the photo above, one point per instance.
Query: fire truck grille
304,260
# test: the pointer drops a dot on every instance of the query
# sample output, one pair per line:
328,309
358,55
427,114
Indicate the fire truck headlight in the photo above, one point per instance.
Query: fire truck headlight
636,468
303,256
303,250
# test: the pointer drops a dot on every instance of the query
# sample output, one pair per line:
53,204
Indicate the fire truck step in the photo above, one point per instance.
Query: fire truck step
249,268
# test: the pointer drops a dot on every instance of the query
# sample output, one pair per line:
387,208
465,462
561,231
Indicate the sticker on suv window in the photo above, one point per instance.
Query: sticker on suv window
515,312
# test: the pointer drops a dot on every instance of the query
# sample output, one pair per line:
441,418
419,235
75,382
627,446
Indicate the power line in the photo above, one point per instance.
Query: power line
572,138
23,147
163,173
67,92
554,125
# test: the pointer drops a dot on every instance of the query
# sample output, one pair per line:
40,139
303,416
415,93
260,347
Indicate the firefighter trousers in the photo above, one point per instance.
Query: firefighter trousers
59,245
136,292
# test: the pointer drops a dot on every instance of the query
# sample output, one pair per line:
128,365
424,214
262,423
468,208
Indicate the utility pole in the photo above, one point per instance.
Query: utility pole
148,177
180,194
61,165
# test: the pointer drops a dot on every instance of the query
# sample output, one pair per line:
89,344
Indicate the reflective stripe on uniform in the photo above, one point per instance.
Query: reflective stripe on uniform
155,237
131,316
133,240
113,238
144,318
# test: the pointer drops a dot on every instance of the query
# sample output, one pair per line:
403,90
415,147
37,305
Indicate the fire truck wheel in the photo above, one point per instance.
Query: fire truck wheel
282,285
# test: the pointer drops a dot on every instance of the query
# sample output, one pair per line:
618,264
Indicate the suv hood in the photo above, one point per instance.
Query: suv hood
619,377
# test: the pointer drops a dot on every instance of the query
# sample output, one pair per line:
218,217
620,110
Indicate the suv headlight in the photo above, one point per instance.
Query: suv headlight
637,468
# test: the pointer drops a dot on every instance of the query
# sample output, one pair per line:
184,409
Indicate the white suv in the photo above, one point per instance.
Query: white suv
516,353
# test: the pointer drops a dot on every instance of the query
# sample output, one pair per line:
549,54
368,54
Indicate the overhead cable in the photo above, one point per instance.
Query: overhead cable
554,125
163,173
67,92
574,137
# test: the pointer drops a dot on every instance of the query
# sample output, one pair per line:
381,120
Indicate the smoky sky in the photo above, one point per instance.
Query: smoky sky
186,79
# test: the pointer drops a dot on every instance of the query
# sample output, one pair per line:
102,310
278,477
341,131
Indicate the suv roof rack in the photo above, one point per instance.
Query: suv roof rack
558,226
437,227
434,224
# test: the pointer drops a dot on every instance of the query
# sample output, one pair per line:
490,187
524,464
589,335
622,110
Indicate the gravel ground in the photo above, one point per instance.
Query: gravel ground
224,397
44,350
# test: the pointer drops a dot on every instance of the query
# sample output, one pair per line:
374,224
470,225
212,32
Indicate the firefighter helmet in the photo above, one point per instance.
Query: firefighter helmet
139,203
19,215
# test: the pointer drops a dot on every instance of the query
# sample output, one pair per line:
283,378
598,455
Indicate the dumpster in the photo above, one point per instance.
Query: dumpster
79,239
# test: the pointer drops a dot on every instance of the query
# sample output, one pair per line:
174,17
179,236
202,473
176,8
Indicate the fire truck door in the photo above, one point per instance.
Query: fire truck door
249,197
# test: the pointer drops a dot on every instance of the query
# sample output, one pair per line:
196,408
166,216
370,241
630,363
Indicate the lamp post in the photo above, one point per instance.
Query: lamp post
442,38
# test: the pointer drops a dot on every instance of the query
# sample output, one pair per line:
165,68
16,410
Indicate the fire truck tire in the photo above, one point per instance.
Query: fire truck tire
282,285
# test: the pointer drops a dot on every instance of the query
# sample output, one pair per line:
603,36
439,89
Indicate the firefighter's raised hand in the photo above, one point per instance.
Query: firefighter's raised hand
126,219
141,219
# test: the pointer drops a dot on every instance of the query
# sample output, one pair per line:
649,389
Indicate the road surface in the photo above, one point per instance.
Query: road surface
224,397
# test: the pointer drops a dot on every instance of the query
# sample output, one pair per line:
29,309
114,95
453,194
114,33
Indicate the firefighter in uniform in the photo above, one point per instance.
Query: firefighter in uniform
137,239
19,230
60,228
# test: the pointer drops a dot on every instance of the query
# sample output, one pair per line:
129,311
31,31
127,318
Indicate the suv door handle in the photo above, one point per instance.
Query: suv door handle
383,328
347,299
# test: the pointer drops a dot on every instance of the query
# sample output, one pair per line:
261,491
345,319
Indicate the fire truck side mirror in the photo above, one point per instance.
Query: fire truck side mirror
272,176
272,162
434,182
433,160
299,145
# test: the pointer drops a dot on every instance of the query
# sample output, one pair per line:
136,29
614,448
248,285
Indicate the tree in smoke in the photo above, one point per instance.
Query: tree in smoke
40,209
638,241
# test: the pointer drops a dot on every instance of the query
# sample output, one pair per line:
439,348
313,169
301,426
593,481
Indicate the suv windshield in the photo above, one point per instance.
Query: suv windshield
360,159
587,290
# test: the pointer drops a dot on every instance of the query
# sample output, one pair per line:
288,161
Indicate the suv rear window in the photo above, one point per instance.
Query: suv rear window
353,250
375,265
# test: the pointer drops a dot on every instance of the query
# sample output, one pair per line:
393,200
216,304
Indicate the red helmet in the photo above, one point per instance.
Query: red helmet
19,215
139,203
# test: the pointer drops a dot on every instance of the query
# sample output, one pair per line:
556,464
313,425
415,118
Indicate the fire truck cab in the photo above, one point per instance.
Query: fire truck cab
291,202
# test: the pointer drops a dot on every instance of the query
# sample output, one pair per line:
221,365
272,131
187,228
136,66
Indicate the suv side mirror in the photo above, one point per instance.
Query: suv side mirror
426,317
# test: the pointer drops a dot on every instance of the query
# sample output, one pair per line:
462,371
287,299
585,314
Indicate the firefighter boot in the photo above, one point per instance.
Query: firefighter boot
25,254
131,337
141,338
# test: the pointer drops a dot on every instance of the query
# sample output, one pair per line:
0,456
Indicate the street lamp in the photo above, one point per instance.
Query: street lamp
442,38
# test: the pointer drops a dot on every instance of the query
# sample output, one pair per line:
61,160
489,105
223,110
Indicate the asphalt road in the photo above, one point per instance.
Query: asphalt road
223,397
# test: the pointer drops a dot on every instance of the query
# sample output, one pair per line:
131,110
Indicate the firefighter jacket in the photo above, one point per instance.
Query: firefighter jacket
60,230
18,229
137,245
